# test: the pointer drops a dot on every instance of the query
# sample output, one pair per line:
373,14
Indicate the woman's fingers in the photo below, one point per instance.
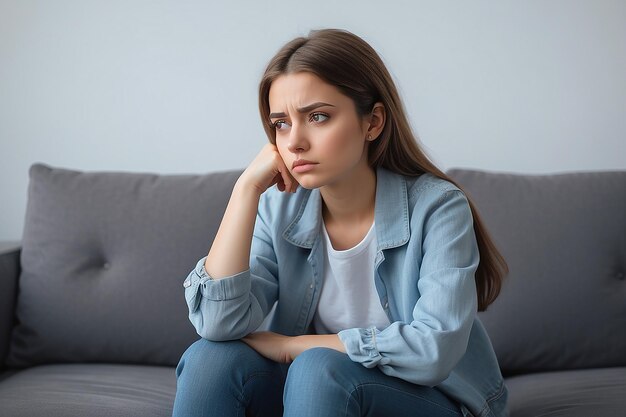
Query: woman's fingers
289,181
269,168
278,180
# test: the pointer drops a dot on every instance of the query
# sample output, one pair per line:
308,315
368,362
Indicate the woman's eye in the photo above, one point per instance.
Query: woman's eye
316,117
278,124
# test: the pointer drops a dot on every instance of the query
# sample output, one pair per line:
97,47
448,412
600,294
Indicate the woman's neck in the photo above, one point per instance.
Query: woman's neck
351,201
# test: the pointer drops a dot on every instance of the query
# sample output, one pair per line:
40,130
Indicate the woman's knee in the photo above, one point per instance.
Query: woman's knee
213,356
318,379
227,375
319,364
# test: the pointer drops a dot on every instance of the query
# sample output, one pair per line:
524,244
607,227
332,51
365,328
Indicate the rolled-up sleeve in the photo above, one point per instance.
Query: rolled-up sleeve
426,350
232,307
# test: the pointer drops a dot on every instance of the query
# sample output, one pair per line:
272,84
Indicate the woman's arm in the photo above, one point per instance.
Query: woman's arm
231,307
233,288
426,350
285,349
230,251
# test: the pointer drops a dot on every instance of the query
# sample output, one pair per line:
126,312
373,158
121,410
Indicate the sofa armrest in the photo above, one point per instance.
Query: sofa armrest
9,273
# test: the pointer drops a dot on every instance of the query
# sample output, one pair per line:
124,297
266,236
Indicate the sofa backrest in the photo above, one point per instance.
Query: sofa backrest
563,305
104,256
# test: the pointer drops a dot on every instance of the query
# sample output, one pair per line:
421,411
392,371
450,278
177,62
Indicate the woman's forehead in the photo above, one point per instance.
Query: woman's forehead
301,89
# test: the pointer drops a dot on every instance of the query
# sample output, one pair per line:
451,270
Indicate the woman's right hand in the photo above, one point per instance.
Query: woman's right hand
267,169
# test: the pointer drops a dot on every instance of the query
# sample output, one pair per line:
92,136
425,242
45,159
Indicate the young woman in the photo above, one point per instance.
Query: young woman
371,252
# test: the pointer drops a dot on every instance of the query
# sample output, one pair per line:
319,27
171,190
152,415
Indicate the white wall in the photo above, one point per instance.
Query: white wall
170,86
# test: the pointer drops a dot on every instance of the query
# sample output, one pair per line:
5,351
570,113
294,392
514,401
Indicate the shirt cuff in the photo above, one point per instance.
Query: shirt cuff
361,346
227,288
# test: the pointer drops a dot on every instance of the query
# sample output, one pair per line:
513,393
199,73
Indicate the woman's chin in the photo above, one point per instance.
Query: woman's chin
308,184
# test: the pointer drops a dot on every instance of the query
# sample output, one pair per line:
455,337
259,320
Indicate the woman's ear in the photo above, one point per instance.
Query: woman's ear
377,121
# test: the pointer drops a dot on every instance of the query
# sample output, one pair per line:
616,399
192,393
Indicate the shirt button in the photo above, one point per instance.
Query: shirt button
386,304
311,286
187,283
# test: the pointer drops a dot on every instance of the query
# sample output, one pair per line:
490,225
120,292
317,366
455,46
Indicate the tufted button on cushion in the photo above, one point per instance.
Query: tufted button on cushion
153,227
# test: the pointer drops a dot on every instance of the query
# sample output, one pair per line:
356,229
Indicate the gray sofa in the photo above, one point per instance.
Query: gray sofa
93,318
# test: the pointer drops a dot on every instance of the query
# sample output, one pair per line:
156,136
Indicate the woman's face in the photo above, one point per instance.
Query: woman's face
313,120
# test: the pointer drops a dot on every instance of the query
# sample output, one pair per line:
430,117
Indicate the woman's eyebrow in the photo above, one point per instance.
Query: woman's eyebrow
302,109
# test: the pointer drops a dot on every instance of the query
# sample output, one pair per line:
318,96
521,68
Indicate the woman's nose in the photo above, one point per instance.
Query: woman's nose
297,140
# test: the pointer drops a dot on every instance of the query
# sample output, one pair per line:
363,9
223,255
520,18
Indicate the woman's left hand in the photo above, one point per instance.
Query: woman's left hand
274,346
284,349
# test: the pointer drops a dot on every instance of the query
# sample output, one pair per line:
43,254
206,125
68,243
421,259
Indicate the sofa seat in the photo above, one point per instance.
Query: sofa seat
576,393
89,390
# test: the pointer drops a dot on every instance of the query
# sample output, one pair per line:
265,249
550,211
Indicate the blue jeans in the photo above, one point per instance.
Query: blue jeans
227,379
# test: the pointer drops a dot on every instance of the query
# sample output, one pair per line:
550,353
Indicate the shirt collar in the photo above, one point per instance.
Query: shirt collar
391,214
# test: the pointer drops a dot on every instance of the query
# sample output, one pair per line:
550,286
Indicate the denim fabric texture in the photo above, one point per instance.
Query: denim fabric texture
230,379
424,275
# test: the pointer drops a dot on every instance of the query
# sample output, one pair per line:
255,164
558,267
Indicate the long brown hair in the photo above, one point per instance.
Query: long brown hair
348,62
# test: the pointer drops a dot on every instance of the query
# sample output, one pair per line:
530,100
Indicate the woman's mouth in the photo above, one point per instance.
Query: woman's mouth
304,168
302,165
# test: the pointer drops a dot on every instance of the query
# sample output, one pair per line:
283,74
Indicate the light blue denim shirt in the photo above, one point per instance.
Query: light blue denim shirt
424,275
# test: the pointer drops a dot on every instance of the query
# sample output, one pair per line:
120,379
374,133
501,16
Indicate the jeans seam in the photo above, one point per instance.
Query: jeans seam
241,395
396,389
495,397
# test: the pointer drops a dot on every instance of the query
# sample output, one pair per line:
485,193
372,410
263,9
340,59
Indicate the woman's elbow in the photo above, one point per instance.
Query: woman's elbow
211,334
447,357
206,329
443,367
221,332
440,373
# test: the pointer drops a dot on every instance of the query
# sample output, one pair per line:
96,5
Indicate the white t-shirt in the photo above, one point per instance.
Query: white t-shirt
349,298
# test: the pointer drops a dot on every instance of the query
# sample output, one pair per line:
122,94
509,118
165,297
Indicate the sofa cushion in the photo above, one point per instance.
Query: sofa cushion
580,393
95,390
104,256
563,236
9,274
